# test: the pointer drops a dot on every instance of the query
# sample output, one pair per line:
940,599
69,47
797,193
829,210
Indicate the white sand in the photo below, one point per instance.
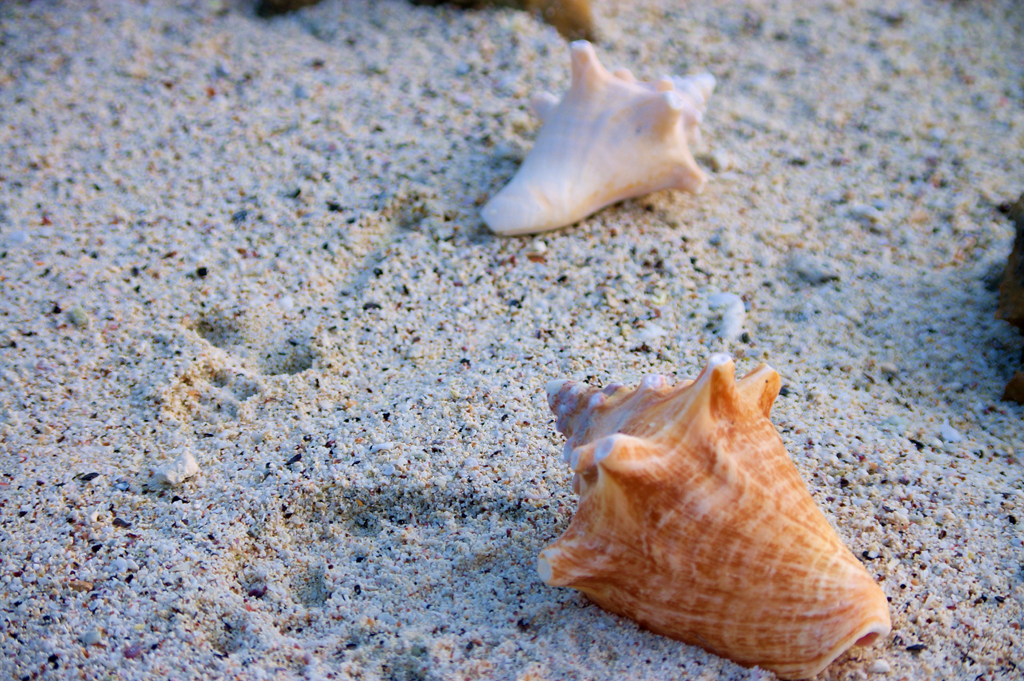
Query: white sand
252,240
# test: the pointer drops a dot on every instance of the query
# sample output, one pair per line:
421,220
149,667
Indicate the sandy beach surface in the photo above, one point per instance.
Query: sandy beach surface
256,244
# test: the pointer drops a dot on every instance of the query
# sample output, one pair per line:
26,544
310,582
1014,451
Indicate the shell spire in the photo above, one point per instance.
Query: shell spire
588,75
694,522
609,138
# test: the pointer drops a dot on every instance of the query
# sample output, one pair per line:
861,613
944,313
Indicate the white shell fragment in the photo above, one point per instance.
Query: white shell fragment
177,471
949,433
734,313
93,637
611,137
880,666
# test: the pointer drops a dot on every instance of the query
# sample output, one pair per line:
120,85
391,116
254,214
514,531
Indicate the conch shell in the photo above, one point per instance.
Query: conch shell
610,138
694,522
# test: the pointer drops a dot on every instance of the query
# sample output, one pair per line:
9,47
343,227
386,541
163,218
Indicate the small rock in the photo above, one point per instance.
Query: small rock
789,231
18,238
719,161
813,270
724,242
865,214
91,638
889,369
504,151
795,156
650,332
536,251
948,433
79,317
177,471
879,666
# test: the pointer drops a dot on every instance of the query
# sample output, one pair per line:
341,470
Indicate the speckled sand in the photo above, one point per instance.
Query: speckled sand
257,243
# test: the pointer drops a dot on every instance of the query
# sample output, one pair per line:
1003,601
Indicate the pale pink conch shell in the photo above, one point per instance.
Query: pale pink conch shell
694,522
610,138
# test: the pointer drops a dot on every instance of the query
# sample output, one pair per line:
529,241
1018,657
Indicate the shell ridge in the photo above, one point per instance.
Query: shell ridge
628,127
689,408
610,112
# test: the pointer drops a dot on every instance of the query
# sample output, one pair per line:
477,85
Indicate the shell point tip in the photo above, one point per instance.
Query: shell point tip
554,387
718,359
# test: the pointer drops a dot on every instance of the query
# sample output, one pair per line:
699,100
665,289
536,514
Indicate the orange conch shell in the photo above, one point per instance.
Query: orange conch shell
694,522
